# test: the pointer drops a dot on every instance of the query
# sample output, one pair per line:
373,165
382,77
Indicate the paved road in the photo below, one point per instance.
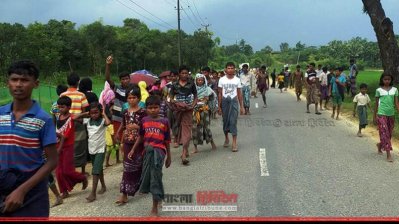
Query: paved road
314,166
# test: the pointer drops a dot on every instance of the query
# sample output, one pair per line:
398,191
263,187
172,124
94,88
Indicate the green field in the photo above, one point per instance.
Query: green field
46,93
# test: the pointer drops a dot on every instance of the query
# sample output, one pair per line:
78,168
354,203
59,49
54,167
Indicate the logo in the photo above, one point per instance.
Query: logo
205,201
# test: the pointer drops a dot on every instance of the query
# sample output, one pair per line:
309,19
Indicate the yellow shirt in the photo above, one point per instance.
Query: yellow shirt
108,135
79,101
280,78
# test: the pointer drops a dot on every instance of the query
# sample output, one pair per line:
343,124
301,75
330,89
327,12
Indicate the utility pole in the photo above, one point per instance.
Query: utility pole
206,27
178,32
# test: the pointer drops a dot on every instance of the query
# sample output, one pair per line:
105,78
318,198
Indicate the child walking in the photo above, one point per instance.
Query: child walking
201,130
66,175
280,80
386,99
96,126
132,166
361,101
155,134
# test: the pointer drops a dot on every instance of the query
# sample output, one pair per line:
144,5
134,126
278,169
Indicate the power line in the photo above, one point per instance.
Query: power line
142,15
195,26
198,12
192,22
188,6
172,4
151,13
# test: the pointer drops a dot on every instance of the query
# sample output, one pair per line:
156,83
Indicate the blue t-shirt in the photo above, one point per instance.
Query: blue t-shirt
334,87
22,143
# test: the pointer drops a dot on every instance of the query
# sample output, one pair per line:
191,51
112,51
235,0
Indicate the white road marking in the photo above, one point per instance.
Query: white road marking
263,164
256,105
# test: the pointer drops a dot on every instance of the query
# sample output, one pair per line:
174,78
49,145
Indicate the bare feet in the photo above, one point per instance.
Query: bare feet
108,165
234,148
85,184
118,161
226,144
64,195
91,198
194,151
332,116
359,134
389,156
379,148
102,190
58,201
337,118
122,200
213,146
175,145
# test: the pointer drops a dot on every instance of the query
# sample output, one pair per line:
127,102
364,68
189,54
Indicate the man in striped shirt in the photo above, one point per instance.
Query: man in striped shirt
79,105
25,132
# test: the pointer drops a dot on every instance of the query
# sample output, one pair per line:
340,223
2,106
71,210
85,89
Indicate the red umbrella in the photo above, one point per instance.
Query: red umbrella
137,77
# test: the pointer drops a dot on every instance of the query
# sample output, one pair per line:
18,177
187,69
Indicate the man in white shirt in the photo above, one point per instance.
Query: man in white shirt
323,87
230,99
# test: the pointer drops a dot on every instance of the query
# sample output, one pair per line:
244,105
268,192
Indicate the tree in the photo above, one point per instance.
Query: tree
284,47
383,28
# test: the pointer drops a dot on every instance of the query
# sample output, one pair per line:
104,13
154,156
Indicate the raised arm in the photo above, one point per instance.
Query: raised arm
108,63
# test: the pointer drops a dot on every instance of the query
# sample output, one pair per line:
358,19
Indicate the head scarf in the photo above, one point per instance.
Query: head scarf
202,91
143,91
107,95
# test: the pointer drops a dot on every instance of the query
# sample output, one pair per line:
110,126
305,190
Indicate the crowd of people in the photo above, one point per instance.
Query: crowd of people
141,121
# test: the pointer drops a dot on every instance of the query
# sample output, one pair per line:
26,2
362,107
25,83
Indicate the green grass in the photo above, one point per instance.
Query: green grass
46,93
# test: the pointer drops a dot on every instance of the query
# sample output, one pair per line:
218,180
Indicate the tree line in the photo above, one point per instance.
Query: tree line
59,47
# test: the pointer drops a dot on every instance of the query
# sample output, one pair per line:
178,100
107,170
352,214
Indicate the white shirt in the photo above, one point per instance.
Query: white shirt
323,79
246,79
229,86
96,137
361,99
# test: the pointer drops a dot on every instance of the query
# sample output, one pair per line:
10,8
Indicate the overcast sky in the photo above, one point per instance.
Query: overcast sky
259,22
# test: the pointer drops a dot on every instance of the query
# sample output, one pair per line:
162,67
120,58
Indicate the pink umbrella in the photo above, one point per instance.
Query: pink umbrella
142,75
